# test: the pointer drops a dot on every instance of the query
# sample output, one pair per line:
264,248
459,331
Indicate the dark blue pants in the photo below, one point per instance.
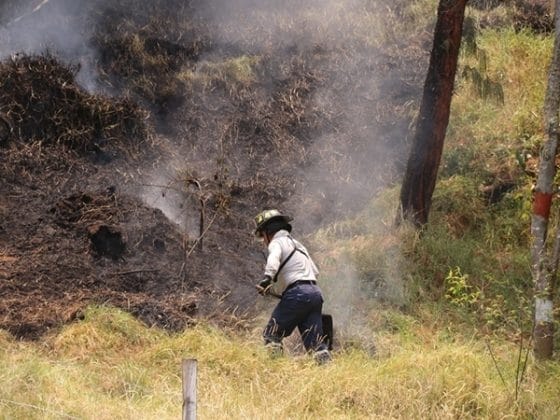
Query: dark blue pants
300,307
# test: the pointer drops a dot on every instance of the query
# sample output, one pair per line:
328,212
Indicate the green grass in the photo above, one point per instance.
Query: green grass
237,71
486,138
109,366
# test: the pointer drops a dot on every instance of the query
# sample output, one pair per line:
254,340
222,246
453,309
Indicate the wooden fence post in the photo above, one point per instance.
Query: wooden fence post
189,389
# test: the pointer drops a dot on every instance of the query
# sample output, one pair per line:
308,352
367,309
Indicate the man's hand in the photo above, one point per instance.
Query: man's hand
264,285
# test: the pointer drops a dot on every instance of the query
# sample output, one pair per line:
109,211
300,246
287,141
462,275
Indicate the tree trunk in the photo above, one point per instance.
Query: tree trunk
544,268
427,146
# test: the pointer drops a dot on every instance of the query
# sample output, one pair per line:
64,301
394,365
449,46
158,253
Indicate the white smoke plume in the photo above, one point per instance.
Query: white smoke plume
352,163
58,26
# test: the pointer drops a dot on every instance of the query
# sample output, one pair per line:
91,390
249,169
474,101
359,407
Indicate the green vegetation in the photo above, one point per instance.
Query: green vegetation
233,72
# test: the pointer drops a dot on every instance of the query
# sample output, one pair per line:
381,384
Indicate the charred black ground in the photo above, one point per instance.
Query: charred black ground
72,233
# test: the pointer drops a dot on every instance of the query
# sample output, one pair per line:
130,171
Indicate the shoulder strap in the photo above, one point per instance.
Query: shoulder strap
289,256
283,264
296,248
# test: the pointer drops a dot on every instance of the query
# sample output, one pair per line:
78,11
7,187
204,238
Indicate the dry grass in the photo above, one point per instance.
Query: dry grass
109,366
43,101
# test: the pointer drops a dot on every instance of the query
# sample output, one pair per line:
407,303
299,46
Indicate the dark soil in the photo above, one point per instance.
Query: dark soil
71,234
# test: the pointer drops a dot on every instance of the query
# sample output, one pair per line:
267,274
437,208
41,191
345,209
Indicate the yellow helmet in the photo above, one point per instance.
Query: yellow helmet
266,216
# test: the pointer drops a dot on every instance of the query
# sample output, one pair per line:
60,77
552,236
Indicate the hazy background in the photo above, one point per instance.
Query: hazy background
357,86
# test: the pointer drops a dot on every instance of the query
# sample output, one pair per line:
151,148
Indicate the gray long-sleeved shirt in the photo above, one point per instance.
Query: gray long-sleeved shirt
300,266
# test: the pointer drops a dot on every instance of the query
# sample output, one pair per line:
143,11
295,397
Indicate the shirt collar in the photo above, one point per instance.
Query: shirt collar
281,233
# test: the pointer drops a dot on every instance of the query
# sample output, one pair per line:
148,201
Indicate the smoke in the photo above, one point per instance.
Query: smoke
365,84
351,163
257,25
169,195
34,10
355,304
369,91
59,26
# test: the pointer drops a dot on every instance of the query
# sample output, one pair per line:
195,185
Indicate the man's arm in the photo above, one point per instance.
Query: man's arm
273,259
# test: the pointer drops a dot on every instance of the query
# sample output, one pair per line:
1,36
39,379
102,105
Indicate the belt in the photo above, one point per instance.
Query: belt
299,282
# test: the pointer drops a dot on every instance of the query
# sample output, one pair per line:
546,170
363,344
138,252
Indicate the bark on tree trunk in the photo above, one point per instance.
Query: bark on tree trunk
427,146
545,268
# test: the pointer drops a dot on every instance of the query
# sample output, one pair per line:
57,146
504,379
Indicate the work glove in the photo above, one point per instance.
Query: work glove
264,285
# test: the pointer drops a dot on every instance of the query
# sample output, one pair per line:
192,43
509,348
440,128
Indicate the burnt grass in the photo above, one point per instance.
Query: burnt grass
302,130
70,233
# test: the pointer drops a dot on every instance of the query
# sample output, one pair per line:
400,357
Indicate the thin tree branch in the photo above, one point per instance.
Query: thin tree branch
495,362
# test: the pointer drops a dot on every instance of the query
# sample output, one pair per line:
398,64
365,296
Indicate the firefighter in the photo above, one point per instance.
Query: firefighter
290,274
